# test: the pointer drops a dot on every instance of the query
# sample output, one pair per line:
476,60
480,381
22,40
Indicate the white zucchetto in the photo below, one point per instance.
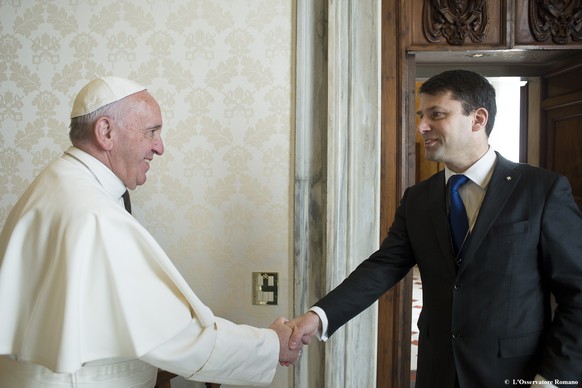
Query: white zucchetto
103,91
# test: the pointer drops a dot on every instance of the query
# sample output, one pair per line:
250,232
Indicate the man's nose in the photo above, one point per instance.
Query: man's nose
158,147
423,126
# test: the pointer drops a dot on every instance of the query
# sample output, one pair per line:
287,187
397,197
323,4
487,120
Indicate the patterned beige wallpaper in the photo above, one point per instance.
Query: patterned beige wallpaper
219,199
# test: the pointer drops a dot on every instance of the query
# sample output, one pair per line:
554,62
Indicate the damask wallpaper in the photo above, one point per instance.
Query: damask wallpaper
219,199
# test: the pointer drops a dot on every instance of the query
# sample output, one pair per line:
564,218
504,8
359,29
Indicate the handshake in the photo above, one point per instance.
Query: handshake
294,334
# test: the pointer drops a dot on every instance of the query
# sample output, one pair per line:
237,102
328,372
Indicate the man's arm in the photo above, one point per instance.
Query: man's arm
372,278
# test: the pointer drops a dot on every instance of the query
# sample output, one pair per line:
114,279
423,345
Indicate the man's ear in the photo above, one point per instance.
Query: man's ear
480,120
102,129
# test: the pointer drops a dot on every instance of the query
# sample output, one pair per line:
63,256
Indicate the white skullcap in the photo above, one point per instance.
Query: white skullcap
103,91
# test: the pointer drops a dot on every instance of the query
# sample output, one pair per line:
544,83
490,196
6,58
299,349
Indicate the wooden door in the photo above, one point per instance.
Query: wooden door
561,145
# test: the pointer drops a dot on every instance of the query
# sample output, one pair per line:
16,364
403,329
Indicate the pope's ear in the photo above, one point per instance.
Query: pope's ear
481,118
102,129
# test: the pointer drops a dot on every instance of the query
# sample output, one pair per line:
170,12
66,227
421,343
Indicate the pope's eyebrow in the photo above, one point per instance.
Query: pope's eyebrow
153,128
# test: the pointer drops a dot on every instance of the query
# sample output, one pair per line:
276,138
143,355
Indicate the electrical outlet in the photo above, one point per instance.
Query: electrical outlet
265,288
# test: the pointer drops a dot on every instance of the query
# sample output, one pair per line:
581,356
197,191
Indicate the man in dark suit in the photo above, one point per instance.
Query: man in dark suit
487,319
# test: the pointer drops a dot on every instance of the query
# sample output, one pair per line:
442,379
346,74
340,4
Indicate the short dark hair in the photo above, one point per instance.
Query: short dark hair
471,89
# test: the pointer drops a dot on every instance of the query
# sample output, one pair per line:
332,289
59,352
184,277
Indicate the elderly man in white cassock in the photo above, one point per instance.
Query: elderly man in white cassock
87,296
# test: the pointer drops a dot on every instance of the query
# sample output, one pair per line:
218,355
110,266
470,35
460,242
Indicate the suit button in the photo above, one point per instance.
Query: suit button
455,335
457,286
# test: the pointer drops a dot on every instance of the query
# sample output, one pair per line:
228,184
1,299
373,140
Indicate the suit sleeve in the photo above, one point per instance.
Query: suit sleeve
561,256
373,277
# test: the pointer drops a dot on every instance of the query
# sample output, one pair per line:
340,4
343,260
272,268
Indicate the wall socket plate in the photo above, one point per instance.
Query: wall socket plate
265,288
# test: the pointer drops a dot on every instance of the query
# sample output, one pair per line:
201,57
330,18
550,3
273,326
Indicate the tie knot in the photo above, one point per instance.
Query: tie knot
456,181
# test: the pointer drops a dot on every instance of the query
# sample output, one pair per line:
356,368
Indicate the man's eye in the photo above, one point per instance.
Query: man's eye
437,115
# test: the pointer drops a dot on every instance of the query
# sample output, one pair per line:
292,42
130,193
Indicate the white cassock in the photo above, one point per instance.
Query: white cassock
87,296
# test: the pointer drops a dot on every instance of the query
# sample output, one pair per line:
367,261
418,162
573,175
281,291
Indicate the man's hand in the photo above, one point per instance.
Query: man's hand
304,327
287,356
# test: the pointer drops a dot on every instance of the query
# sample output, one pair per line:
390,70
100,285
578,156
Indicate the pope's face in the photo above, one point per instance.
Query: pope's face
446,130
138,139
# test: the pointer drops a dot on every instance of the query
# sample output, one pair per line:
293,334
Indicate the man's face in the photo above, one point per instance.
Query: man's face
137,139
447,132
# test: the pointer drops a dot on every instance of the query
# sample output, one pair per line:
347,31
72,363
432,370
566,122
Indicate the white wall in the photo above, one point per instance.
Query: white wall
220,199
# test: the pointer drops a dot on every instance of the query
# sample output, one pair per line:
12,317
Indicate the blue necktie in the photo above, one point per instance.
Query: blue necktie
457,215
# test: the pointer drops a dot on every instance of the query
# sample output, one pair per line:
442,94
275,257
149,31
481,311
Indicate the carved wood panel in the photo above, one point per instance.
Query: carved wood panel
492,24
558,20
548,22
458,23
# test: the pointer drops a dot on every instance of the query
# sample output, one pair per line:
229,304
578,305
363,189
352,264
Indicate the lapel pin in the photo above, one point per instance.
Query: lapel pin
508,178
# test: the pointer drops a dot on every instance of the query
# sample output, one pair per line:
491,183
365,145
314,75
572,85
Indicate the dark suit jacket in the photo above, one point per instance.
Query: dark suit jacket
488,319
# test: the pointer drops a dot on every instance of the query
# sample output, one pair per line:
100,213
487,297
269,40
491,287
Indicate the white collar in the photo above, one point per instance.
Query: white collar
110,182
480,172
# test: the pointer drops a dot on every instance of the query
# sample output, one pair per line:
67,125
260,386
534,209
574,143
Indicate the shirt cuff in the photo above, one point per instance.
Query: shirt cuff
322,335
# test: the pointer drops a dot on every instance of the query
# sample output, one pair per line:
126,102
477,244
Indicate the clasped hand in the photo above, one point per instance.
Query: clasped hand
294,334
287,356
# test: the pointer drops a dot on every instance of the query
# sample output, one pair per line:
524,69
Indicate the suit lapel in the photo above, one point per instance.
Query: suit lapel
438,216
503,181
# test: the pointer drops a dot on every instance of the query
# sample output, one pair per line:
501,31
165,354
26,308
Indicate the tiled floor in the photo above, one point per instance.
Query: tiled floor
416,307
